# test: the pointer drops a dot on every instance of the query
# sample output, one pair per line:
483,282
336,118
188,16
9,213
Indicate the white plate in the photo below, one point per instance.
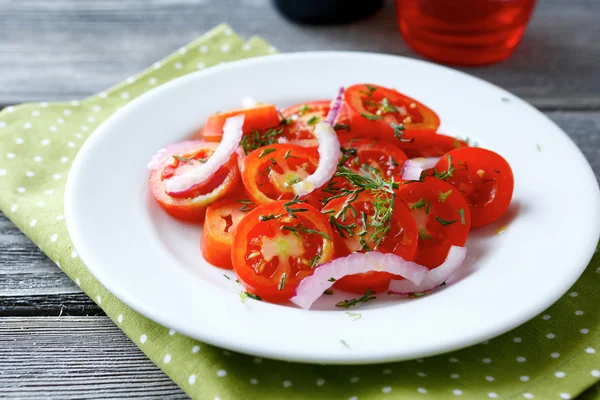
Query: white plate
153,264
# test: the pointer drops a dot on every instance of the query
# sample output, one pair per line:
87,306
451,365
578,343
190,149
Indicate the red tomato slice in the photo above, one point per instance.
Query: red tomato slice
220,223
431,146
380,155
273,250
269,172
300,121
191,205
261,117
442,216
385,113
352,221
484,178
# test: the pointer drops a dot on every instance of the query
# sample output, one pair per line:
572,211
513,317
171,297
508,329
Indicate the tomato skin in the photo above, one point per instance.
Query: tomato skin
252,229
432,145
220,223
192,209
260,181
263,116
298,130
378,153
365,99
404,243
435,237
484,178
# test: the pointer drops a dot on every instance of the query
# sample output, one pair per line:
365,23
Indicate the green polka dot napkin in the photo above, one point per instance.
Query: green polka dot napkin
554,356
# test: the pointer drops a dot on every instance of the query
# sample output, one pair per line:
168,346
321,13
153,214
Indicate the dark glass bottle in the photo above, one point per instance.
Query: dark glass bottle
321,12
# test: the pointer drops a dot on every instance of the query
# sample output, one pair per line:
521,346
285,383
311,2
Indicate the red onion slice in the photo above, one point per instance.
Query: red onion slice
329,156
164,156
232,135
313,286
415,166
336,105
434,277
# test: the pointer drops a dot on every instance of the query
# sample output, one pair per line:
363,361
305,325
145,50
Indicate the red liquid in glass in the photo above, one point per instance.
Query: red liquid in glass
464,32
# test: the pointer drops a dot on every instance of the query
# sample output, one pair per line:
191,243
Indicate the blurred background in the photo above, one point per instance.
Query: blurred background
66,49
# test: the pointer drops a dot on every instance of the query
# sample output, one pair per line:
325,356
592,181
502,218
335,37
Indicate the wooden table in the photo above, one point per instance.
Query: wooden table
54,341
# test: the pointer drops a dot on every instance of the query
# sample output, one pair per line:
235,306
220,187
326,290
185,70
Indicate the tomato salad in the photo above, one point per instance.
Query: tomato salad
360,194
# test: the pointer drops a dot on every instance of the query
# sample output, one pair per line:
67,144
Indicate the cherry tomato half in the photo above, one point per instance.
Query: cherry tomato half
263,116
442,216
269,172
377,111
191,205
274,250
352,219
381,156
431,146
484,178
222,218
300,121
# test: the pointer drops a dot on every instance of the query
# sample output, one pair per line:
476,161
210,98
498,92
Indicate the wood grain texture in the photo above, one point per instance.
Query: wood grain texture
76,358
67,49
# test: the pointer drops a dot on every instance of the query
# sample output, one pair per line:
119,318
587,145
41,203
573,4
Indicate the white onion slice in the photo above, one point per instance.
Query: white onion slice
435,277
313,286
412,168
232,135
335,108
329,156
248,102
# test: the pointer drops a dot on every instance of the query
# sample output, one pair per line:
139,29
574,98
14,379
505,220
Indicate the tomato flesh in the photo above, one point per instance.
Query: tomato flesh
385,113
221,221
442,216
191,205
263,116
431,146
351,235
484,178
269,243
269,172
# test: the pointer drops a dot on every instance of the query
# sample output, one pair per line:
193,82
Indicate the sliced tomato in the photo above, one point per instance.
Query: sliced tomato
388,114
431,146
484,178
442,216
381,155
352,220
263,116
277,245
269,172
191,205
222,218
300,121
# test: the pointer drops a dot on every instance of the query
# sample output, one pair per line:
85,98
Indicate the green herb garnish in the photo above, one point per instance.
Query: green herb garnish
444,222
461,212
443,196
256,139
265,152
282,280
313,120
353,302
371,117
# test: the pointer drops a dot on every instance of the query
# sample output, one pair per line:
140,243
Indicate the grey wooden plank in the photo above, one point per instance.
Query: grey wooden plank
31,284
71,48
76,358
